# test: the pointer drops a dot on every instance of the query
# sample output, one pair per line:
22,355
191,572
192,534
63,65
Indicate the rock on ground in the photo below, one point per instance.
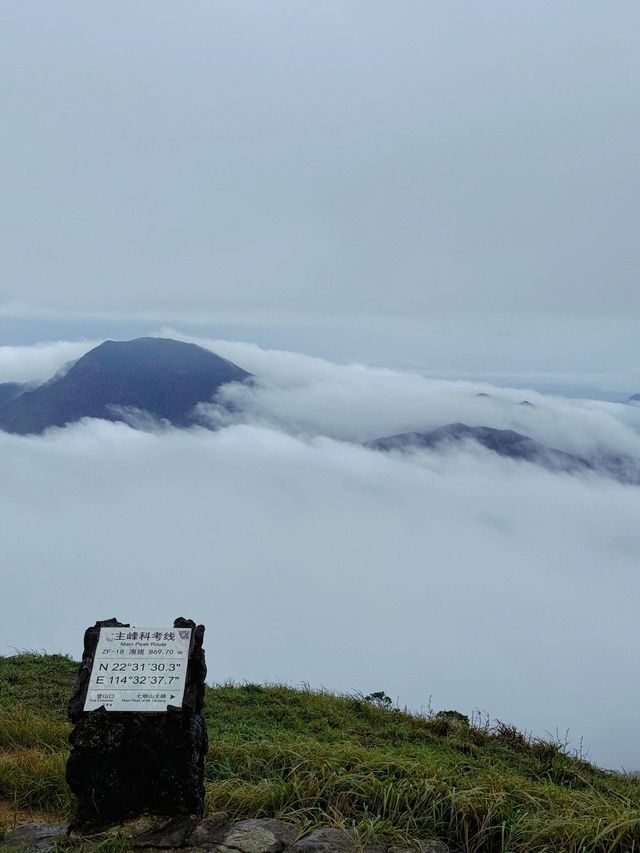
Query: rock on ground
433,846
215,834
260,836
331,841
34,836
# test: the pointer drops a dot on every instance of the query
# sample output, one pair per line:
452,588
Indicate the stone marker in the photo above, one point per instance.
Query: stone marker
140,740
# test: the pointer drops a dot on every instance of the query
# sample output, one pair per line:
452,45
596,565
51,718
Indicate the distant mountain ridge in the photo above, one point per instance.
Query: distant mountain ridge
514,445
504,442
159,376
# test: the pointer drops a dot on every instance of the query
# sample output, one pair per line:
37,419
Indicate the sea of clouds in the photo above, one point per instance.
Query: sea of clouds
459,578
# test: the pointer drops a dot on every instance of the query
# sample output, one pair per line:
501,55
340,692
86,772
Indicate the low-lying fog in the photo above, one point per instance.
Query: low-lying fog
464,578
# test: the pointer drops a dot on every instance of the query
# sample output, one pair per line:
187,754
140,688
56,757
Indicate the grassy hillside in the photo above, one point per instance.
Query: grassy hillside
323,759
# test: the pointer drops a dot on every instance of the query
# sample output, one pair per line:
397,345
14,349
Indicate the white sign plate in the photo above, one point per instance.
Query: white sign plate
139,669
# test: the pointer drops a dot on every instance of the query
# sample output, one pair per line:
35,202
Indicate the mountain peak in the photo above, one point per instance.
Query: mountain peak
160,376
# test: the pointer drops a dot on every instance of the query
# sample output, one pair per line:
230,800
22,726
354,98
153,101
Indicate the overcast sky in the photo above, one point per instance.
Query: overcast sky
447,185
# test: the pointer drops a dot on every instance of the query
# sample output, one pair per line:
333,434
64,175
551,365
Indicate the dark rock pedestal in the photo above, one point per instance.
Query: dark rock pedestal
125,764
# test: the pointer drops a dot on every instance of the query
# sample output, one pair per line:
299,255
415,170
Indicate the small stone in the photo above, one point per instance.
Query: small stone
210,831
175,832
284,831
431,846
326,841
250,840
35,836
139,825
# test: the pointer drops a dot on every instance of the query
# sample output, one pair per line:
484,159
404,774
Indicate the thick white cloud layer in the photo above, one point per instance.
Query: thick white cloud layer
356,402
476,580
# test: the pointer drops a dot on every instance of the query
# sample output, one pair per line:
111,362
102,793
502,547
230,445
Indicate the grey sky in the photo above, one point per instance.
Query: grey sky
337,164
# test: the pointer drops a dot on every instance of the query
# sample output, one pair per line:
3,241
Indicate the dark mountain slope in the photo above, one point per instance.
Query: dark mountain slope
504,442
163,377
10,390
514,445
